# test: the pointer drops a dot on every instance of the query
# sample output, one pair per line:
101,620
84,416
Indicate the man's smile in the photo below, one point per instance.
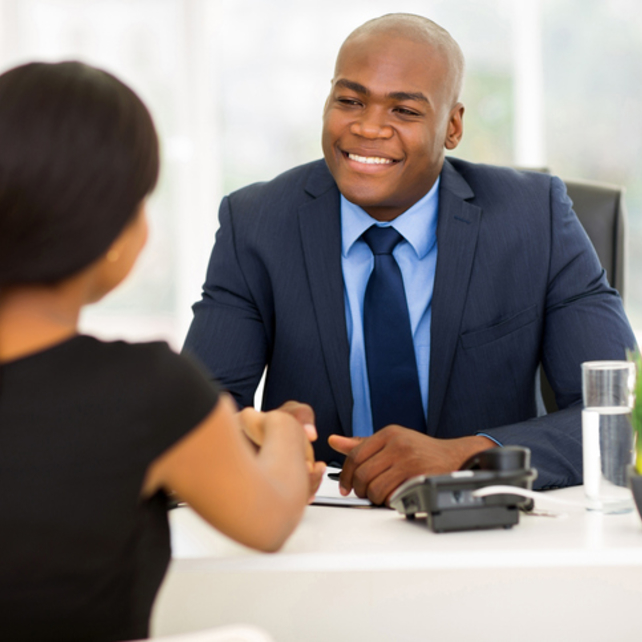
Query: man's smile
364,162
370,160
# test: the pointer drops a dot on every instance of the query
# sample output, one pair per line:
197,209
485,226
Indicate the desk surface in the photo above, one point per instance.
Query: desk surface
368,573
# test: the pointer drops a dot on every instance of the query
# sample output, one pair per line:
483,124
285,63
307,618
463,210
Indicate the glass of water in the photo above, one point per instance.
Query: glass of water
607,436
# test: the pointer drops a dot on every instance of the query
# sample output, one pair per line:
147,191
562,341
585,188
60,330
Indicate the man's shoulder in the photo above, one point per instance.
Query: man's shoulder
522,195
495,181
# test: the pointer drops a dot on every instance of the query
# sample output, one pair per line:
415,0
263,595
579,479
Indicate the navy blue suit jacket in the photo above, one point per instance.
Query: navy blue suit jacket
517,283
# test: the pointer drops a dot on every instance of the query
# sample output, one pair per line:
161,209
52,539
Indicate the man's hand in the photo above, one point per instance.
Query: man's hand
375,466
302,412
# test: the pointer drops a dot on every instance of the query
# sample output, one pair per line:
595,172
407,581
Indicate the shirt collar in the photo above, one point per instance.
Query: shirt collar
418,225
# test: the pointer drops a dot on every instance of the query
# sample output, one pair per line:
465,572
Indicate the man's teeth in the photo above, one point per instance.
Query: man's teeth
370,160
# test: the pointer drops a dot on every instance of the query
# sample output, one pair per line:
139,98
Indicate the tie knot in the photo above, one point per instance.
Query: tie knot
381,240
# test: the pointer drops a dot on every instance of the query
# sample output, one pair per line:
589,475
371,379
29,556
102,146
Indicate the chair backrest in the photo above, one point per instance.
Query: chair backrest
600,209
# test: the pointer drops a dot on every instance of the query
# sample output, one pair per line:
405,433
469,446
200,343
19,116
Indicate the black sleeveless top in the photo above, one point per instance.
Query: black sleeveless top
81,554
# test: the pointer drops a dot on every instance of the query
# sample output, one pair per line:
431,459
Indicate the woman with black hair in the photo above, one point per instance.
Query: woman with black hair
94,435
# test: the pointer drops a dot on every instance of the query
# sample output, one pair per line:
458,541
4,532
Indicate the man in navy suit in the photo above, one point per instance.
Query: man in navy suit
497,272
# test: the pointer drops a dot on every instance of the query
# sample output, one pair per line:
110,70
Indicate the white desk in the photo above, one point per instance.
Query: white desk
369,574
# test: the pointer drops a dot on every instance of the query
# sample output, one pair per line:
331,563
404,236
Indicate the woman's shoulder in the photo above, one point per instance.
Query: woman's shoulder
156,355
168,392
147,367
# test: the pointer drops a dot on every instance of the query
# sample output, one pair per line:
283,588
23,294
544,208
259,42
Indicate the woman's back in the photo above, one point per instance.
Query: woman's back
92,434
80,423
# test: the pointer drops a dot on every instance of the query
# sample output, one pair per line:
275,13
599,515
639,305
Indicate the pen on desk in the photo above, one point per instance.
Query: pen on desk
334,476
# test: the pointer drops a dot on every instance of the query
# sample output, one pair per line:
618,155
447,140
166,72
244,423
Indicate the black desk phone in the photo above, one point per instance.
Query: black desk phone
447,500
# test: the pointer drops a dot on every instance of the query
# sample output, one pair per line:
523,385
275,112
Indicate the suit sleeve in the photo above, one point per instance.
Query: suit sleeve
584,321
227,334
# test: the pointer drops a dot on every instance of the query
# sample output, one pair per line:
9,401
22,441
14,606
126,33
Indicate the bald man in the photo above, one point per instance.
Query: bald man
407,297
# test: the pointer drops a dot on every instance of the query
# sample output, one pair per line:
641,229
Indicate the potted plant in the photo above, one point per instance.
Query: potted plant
635,471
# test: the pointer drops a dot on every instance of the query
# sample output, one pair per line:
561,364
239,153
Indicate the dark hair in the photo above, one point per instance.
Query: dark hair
78,154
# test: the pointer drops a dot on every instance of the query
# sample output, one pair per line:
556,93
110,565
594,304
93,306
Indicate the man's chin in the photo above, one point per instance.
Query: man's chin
364,195
374,203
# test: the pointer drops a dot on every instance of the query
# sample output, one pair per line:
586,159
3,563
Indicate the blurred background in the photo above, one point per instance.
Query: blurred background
237,88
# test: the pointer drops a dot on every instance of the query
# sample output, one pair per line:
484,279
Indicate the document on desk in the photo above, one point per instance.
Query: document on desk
329,495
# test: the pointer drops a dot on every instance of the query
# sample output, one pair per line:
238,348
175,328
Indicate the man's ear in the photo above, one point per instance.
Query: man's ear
455,127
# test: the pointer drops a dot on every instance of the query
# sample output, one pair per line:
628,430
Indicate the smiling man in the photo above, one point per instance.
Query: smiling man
392,111
408,298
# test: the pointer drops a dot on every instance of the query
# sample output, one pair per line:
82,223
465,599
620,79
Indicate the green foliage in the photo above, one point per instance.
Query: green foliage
636,415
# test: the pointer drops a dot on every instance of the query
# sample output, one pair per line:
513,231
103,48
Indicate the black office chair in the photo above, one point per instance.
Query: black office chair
600,208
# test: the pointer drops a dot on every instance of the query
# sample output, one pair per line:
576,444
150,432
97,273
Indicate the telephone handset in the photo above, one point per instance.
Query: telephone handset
448,501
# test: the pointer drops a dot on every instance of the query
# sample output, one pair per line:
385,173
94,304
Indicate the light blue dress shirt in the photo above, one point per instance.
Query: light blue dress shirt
417,260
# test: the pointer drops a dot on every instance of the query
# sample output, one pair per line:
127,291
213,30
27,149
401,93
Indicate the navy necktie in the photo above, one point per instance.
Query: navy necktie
395,396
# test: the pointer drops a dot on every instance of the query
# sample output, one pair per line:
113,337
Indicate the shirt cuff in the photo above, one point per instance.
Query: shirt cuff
483,434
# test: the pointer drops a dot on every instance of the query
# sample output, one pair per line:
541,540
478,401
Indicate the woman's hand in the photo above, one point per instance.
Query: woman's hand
253,423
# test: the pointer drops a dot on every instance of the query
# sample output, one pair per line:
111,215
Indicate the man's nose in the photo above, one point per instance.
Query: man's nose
372,123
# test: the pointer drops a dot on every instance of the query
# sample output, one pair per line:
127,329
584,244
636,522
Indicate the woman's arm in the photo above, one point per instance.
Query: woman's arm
254,497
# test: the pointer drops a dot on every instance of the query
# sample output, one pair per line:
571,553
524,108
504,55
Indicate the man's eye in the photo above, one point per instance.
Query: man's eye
406,112
350,102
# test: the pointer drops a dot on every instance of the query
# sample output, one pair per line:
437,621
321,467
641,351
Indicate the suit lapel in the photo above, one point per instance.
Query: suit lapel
320,226
457,232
